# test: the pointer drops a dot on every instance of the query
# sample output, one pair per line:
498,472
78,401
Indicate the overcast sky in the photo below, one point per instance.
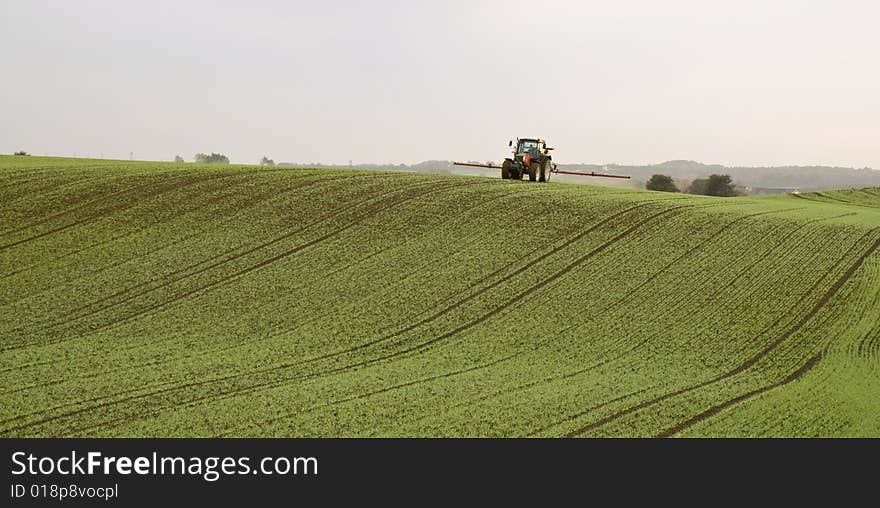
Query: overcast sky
737,83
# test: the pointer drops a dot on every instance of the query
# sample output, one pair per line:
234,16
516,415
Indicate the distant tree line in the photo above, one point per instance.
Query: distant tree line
21,152
219,158
713,185
214,158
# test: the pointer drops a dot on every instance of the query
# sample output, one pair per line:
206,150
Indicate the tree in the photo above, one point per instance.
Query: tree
265,161
715,185
720,185
214,158
662,183
21,152
178,159
698,186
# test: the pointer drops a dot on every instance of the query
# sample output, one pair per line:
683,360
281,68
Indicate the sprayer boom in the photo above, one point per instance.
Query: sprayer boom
531,156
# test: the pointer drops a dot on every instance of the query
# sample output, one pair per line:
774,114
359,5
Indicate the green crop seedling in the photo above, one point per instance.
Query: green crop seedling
151,299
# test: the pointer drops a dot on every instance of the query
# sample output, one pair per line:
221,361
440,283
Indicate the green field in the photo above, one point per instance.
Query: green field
154,299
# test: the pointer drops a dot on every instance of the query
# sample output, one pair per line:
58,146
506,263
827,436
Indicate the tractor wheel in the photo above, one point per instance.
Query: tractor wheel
545,171
534,170
505,169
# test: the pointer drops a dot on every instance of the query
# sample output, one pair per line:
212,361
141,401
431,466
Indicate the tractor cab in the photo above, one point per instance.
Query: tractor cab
530,146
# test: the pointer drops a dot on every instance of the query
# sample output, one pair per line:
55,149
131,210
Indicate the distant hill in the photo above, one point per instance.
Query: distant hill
804,178
756,180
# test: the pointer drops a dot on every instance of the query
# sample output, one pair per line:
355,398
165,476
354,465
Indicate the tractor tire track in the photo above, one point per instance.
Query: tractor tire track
262,264
285,365
266,262
832,198
589,410
201,353
25,194
722,289
479,292
606,310
211,201
78,179
750,361
539,285
699,247
270,195
628,298
369,214
274,383
159,362
869,346
248,389
741,273
96,216
79,204
714,410
79,201
13,178
451,308
532,384
175,272
379,391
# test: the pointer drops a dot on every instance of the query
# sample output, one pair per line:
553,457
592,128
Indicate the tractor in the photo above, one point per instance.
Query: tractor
530,157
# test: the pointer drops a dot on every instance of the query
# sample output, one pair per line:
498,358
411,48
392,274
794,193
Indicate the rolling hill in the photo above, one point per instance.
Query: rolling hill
154,299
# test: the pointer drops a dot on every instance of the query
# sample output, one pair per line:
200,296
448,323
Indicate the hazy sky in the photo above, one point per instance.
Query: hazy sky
746,83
